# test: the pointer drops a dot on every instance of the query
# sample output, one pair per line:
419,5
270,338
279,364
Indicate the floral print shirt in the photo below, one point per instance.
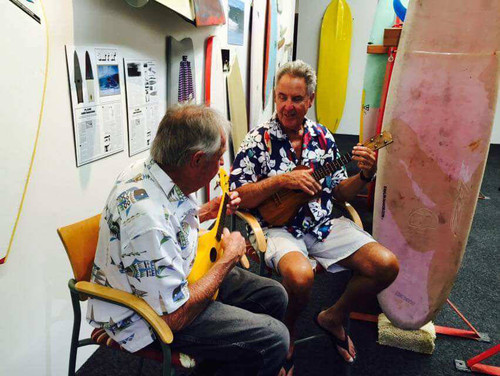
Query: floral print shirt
147,244
266,151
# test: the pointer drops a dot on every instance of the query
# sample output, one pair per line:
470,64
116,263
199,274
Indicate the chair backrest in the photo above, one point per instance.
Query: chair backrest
80,242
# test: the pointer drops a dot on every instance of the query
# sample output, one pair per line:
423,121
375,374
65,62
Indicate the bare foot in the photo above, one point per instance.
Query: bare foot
337,331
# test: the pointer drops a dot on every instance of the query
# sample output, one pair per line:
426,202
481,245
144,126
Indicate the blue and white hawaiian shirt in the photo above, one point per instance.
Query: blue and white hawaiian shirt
147,244
266,151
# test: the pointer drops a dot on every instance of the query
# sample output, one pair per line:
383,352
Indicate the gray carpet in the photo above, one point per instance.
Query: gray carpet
476,293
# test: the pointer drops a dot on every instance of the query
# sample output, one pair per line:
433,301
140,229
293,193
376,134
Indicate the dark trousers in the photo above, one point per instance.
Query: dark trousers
240,333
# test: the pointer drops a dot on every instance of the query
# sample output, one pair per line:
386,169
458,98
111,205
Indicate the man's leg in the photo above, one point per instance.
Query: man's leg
374,268
289,256
298,279
238,341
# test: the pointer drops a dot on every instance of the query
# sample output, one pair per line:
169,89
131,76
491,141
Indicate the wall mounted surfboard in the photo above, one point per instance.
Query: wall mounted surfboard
255,84
209,12
333,64
215,97
237,105
375,70
271,50
21,109
181,71
440,111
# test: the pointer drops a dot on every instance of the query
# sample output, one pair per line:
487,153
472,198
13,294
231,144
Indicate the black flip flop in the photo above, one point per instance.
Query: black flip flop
343,344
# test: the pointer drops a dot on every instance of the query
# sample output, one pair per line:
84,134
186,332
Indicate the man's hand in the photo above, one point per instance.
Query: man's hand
301,179
234,246
211,208
366,160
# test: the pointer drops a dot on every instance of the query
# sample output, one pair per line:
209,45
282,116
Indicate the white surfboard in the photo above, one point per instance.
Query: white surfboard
257,61
22,87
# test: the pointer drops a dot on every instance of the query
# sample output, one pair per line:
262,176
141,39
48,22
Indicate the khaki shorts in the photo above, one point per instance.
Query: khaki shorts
344,239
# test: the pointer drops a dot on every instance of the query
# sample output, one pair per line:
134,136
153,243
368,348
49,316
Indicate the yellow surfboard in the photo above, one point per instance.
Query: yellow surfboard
333,64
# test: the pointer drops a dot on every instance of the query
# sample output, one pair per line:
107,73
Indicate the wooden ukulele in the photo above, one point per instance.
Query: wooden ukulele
280,208
209,243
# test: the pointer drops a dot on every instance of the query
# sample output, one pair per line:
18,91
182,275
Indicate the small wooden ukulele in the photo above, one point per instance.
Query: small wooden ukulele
280,208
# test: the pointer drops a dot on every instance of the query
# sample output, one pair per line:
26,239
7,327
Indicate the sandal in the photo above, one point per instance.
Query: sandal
343,344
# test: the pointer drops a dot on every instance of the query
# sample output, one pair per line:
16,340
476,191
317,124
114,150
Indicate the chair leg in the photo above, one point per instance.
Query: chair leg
76,332
167,370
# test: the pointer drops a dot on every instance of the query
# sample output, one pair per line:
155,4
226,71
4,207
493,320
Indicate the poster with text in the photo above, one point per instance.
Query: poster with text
141,82
96,98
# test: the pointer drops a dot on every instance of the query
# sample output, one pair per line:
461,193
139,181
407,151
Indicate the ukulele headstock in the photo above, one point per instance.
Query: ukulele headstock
223,180
379,141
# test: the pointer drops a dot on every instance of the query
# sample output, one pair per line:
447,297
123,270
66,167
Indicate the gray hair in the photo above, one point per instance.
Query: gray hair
298,68
186,129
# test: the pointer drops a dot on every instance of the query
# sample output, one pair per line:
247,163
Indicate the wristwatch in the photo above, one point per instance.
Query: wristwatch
364,178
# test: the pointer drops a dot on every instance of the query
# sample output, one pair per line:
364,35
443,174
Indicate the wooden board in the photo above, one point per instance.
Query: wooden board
255,83
215,97
271,46
333,64
237,105
175,52
24,67
375,70
440,111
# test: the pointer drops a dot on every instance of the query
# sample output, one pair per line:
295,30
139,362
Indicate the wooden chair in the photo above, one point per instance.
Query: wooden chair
257,248
80,242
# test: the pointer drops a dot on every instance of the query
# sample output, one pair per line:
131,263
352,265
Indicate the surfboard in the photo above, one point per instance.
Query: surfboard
21,109
375,70
440,111
255,83
237,105
181,71
215,97
271,49
333,64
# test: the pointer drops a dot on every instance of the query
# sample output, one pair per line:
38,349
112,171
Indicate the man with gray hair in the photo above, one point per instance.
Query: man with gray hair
267,162
147,246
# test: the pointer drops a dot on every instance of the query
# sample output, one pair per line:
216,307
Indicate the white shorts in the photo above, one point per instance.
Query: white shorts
344,239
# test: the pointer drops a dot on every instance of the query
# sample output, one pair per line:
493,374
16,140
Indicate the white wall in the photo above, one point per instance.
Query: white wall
362,11
36,313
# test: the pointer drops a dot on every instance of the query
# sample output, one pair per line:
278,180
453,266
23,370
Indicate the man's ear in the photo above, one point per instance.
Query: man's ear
311,97
197,159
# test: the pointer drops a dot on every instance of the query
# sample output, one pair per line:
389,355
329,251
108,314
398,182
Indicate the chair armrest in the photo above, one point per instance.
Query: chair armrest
354,214
260,239
131,301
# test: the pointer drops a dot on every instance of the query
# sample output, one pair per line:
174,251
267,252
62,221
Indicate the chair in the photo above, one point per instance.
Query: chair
80,241
257,248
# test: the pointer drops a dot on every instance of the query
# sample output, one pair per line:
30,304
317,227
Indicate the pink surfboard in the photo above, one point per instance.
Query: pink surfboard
440,111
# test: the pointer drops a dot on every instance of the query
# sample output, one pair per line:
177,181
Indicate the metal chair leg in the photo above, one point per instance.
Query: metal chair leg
167,370
76,332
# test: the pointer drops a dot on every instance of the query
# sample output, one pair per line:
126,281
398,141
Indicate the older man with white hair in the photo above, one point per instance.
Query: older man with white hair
147,246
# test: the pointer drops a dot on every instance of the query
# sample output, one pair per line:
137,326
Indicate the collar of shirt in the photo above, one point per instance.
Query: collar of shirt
276,130
171,190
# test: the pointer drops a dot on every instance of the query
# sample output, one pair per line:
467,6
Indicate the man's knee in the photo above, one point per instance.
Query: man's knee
298,276
387,267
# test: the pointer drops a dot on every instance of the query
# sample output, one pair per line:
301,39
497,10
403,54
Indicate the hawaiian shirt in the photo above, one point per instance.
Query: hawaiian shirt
147,244
266,151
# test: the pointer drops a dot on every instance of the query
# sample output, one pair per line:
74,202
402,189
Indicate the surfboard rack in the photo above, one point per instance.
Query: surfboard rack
474,364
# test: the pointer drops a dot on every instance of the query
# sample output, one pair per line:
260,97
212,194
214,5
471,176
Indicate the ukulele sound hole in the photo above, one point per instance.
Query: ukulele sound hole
213,254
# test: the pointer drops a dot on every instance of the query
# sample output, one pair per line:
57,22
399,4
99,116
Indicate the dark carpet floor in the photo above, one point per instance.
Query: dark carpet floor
476,293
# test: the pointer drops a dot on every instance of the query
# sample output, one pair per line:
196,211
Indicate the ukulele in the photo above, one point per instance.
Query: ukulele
280,208
209,243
